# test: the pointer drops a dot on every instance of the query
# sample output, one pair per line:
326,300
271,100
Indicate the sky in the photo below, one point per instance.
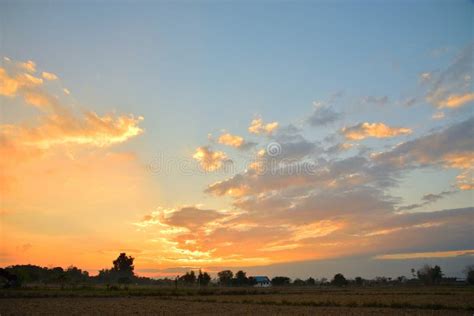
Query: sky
301,138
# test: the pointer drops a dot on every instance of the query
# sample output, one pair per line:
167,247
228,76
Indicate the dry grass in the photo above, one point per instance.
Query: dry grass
440,300
157,306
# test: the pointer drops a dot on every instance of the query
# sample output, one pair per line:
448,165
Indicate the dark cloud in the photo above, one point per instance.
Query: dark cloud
431,149
379,101
323,115
192,217
454,80
426,200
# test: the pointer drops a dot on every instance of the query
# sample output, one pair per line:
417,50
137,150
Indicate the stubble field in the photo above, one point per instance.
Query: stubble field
275,301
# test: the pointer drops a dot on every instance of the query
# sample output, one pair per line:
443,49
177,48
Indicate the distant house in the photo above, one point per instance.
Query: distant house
262,281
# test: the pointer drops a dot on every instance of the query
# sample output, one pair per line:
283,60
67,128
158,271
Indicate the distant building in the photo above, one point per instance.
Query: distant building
262,281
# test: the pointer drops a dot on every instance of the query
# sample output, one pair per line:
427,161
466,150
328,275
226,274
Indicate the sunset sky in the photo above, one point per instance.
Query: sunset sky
300,138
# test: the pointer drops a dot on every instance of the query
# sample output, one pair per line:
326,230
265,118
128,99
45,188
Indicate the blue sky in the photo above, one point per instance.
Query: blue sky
191,68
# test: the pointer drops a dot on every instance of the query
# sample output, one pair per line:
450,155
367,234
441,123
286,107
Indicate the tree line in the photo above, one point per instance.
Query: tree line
123,272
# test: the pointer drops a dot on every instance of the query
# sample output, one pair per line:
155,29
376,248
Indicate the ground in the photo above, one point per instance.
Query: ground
276,301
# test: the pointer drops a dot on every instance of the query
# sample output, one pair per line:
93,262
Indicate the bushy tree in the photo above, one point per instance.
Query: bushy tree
299,282
280,280
189,278
203,278
225,277
339,280
76,275
359,281
123,268
469,271
310,281
252,281
8,279
430,275
241,278
124,264
28,273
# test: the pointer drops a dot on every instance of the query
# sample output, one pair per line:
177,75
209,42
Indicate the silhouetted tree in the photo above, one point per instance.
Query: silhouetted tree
381,280
123,268
280,280
430,275
225,277
252,281
76,275
310,281
241,278
105,276
124,263
298,282
359,281
189,278
339,280
469,271
203,278
56,275
8,279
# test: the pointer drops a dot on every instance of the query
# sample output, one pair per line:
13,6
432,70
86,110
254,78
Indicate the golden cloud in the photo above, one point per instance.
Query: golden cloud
258,127
377,130
66,129
61,127
49,76
21,142
210,160
456,100
462,160
231,140
11,85
29,66
40,99
465,162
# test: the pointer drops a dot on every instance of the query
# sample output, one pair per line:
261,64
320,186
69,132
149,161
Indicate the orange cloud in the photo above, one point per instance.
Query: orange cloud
11,85
39,99
210,160
91,129
465,180
434,254
29,66
462,160
456,100
31,140
258,127
377,130
465,162
49,76
231,140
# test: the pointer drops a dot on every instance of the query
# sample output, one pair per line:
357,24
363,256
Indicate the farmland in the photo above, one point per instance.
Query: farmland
407,300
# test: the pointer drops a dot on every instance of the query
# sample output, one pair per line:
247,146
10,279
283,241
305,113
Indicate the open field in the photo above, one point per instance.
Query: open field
440,300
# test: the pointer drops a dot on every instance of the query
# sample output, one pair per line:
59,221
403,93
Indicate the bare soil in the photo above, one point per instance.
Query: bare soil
161,306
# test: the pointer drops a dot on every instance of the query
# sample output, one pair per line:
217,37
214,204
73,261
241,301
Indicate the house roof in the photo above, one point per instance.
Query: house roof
261,279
